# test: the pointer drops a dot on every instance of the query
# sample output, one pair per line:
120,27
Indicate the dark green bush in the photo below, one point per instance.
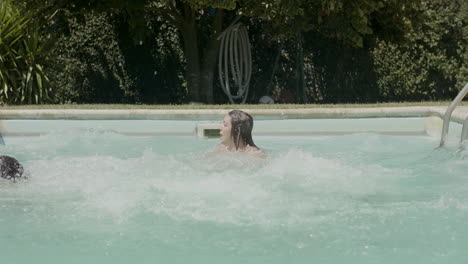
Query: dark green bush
432,62
87,63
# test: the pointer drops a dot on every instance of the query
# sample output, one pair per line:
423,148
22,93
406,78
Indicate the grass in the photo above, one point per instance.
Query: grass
225,106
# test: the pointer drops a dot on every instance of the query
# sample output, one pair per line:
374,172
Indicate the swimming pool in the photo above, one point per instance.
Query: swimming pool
105,192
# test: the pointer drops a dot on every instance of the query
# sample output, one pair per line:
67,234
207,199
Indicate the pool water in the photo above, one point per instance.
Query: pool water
101,197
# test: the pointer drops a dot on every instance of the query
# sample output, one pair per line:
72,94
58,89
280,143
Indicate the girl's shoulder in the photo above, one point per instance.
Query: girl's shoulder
255,151
221,148
249,148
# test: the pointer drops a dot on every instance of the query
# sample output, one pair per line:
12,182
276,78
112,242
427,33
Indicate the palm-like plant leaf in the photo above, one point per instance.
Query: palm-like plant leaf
22,78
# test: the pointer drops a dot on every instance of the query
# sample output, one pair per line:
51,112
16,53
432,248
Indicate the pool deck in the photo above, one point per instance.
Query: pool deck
458,116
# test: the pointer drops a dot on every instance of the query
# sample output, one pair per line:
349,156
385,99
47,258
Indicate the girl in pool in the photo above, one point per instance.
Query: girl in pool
236,133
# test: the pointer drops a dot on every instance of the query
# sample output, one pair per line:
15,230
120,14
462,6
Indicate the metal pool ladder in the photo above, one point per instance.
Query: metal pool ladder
448,114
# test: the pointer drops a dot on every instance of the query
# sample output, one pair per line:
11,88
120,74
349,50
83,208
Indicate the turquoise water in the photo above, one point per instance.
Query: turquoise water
100,197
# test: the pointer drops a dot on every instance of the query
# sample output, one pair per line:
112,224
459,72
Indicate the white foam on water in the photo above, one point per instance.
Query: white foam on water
287,188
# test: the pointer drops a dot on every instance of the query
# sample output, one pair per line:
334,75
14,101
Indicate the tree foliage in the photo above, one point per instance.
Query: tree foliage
351,21
165,51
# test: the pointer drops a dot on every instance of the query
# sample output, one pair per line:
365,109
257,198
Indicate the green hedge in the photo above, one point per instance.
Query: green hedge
432,63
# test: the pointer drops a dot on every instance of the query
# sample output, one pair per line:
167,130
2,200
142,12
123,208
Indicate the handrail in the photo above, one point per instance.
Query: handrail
464,134
448,114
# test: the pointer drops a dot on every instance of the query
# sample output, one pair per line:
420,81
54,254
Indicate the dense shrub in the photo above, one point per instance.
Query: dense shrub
432,64
87,62
98,58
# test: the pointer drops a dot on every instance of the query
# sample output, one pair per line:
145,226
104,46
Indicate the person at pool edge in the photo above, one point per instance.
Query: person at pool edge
236,133
10,168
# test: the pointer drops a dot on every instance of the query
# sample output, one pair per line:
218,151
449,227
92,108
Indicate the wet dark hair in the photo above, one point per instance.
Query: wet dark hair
10,168
242,125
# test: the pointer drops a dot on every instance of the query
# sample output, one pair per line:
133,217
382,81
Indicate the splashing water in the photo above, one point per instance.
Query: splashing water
100,197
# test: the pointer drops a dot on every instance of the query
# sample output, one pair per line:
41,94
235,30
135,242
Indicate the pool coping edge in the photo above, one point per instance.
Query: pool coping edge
459,115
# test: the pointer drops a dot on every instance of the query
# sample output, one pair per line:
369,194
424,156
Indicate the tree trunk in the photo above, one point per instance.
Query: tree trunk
190,38
210,58
301,90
